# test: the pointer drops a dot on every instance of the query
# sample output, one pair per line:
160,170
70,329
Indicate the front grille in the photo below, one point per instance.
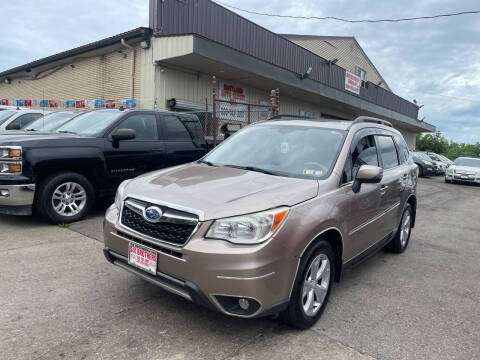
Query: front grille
174,233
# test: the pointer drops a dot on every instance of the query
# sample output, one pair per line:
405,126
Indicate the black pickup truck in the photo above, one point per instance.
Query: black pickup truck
59,174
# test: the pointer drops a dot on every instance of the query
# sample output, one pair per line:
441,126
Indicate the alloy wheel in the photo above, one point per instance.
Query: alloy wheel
315,285
405,229
69,199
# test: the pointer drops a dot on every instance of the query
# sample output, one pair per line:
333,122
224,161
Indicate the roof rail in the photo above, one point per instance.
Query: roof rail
289,116
361,119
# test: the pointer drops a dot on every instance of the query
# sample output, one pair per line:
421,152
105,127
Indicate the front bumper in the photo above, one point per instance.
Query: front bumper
16,199
211,272
461,178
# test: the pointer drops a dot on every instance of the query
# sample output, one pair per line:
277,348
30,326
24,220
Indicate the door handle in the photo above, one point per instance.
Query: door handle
383,189
405,176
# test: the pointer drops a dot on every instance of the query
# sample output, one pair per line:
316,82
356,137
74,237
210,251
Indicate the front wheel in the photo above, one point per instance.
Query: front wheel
65,197
312,287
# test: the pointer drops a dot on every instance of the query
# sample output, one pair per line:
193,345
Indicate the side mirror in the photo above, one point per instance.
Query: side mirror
120,135
367,174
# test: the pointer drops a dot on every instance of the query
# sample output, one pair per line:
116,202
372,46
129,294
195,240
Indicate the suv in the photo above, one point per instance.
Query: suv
268,220
59,174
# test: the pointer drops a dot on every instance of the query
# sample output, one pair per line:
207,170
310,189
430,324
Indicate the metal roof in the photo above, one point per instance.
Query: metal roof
141,32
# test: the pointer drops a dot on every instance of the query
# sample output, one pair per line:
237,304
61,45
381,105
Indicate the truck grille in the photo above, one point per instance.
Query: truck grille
174,232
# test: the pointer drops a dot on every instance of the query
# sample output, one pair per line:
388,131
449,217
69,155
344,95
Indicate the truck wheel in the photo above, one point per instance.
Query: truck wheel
64,197
312,286
402,237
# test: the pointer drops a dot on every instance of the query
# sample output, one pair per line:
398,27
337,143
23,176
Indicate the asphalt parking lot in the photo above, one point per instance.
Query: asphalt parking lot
60,299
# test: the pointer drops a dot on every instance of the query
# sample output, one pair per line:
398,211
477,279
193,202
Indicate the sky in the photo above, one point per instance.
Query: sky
436,62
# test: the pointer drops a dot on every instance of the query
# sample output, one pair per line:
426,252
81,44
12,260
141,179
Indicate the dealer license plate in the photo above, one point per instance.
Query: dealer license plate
142,258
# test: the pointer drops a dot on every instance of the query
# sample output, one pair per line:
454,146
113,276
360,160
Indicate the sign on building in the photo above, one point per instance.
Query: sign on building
352,82
229,109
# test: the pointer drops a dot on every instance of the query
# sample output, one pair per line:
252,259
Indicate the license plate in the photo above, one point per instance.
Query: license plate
142,258
464,177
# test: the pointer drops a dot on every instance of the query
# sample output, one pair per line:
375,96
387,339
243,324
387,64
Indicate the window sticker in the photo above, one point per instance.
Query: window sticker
312,172
284,147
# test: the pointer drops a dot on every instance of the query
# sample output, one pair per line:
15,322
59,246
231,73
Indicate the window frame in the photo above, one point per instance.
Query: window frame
385,134
360,134
163,123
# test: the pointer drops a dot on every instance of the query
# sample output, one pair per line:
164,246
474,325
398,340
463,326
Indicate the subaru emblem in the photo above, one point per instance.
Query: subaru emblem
153,214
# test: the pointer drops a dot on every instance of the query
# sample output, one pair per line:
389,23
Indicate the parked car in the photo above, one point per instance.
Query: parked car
9,107
441,164
426,167
442,158
267,221
51,122
59,174
464,169
17,119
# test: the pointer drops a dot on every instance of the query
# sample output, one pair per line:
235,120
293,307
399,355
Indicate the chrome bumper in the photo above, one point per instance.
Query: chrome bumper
17,199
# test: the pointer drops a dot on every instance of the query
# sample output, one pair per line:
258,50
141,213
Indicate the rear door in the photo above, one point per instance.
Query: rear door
393,182
181,141
137,156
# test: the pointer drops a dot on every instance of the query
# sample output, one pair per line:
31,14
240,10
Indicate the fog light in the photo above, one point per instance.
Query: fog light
244,303
4,193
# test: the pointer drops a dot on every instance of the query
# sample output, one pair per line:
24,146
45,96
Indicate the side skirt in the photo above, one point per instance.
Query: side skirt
369,252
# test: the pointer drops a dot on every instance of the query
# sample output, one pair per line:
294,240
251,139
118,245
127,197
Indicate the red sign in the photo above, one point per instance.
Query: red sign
80,104
234,93
53,103
27,103
110,104
352,82
4,102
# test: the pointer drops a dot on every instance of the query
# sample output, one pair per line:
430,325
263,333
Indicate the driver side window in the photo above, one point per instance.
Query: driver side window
364,153
144,125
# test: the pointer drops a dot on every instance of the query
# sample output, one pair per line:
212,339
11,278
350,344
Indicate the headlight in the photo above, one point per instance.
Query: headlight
248,229
10,152
119,196
427,162
10,168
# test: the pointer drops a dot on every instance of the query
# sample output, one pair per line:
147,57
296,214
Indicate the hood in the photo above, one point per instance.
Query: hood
34,137
465,168
221,191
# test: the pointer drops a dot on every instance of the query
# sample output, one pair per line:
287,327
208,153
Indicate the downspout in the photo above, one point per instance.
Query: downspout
132,67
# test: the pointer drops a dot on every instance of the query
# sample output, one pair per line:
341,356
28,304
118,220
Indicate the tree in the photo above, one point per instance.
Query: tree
438,144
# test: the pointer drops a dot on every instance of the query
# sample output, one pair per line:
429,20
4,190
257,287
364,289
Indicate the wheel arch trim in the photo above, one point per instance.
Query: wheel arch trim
338,266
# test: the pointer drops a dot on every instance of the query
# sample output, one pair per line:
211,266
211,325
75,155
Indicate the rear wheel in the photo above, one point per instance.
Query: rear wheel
312,287
402,237
65,197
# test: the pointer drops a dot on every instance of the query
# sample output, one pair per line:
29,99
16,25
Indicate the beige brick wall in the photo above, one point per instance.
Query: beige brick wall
99,77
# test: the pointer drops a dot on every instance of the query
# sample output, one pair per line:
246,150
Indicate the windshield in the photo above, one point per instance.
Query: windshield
91,123
50,121
5,115
467,162
422,156
285,150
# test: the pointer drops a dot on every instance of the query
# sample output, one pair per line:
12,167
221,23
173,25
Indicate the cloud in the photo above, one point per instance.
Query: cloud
433,61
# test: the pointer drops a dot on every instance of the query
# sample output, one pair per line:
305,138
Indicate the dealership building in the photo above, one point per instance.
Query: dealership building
193,47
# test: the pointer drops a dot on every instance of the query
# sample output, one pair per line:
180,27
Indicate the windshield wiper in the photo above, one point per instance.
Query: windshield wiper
209,163
253,168
66,132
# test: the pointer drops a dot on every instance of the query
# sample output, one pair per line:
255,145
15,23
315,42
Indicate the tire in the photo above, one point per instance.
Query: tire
402,237
68,191
448,181
298,314
420,171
